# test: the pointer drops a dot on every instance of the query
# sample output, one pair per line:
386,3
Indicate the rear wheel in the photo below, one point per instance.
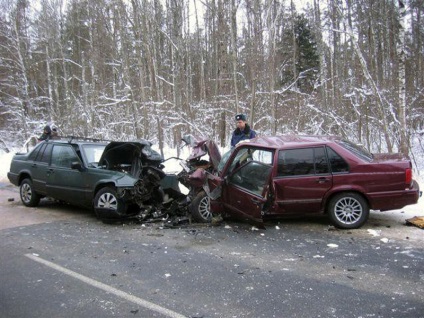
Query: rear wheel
200,208
28,196
348,210
108,206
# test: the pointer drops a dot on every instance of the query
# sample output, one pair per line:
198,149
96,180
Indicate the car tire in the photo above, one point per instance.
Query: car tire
348,210
108,206
29,197
200,208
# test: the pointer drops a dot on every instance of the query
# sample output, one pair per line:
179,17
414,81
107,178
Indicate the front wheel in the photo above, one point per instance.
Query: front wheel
28,196
108,206
348,210
200,208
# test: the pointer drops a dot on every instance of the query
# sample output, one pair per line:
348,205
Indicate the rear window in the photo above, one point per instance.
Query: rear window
357,150
42,153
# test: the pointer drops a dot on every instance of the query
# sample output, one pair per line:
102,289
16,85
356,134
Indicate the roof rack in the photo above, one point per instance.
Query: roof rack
78,138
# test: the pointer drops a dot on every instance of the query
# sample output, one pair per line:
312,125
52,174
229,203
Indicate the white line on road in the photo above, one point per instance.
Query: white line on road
107,288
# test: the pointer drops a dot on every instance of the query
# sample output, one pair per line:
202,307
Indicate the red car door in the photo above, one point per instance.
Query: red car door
242,204
302,181
244,193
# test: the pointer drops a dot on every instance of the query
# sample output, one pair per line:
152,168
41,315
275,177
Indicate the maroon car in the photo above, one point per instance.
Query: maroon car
273,177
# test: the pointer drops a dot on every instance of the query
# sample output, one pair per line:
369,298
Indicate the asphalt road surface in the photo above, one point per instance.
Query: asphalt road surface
60,261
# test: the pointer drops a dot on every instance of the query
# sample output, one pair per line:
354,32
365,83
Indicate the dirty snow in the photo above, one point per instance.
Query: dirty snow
374,232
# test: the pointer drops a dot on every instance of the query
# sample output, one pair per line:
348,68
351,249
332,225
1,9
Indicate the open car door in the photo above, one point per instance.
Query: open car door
244,193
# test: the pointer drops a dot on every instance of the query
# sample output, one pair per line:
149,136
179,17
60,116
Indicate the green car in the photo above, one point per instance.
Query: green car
117,179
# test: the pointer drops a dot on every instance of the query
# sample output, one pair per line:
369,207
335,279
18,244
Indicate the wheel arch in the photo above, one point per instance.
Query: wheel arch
23,176
103,185
333,194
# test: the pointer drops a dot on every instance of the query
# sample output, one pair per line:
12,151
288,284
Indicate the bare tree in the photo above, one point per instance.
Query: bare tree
404,143
147,69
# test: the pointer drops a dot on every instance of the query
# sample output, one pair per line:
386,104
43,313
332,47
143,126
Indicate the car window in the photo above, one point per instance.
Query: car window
321,162
264,156
46,154
63,156
307,161
238,159
224,160
33,155
253,177
337,163
93,152
358,150
246,155
42,153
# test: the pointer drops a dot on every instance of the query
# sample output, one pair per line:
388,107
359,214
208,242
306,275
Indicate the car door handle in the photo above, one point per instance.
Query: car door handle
323,180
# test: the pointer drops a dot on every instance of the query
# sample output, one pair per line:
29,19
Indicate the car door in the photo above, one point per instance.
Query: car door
303,178
39,165
244,193
63,182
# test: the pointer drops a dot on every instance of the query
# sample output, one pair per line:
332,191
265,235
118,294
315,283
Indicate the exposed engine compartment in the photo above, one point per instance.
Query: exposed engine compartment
155,195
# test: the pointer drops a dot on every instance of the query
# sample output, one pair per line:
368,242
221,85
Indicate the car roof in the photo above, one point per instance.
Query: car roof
277,142
78,141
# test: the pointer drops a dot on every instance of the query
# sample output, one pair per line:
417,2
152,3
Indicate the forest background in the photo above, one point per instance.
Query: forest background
159,69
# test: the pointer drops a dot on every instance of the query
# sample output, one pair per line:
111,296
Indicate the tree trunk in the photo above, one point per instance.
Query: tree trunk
380,101
233,37
404,148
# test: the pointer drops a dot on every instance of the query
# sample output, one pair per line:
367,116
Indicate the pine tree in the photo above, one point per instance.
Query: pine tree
303,66
307,64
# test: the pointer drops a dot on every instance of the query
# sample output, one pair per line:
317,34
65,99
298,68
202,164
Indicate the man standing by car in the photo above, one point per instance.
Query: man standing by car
243,130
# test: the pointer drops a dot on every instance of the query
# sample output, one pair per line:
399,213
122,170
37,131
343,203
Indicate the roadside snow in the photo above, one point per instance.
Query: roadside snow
5,159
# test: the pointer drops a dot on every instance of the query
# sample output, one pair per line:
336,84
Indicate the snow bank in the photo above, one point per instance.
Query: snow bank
5,159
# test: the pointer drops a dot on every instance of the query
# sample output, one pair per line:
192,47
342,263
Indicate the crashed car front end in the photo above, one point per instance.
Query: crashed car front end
143,190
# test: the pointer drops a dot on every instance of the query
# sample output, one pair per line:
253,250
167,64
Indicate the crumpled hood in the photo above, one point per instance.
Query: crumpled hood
125,152
202,147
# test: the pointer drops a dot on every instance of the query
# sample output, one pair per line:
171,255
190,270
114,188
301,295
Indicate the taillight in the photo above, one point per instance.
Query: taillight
408,176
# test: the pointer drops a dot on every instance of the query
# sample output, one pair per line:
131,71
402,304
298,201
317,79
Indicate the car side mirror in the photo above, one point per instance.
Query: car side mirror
77,165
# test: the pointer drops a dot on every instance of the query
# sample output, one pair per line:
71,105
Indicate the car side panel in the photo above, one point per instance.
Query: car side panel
39,173
393,199
36,171
301,194
68,185
383,191
241,203
13,178
79,187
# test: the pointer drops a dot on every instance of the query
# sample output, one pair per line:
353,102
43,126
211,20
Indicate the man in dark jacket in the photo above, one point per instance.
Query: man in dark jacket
243,130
